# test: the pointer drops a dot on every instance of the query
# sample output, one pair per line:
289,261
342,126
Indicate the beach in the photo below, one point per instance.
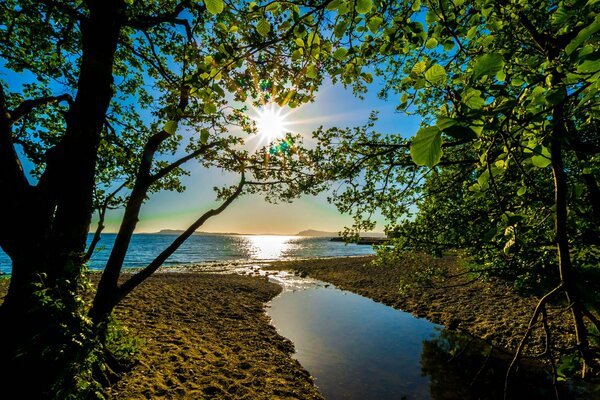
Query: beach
206,335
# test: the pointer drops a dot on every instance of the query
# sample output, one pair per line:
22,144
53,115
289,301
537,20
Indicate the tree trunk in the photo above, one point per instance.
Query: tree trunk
561,236
44,330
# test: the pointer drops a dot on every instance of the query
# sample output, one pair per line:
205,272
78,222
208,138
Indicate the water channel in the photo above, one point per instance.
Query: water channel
356,348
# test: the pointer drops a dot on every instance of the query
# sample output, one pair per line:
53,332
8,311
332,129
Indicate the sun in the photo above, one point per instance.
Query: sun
271,123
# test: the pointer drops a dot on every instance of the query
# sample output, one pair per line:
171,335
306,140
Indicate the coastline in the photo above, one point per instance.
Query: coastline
206,335
489,309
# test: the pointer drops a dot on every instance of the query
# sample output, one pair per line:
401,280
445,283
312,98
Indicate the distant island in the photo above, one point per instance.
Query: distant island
312,232
307,232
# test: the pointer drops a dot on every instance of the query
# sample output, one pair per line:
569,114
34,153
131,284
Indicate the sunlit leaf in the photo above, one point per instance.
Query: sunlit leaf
426,147
435,74
263,27
431,43
214,6
204,135
170,127
340,53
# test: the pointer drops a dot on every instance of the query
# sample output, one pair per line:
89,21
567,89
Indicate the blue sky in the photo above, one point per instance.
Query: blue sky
334,106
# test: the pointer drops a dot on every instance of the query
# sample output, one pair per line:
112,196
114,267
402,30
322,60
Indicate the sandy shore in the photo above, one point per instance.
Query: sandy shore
206,336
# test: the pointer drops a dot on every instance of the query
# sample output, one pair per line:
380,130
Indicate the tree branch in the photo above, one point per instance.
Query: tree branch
101,214
28,105
146,22
139,277
11,170
169,168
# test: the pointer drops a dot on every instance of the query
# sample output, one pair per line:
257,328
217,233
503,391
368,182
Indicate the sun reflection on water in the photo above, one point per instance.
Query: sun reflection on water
269,247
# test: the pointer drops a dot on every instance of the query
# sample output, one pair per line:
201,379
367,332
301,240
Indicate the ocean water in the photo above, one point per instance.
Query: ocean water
210,248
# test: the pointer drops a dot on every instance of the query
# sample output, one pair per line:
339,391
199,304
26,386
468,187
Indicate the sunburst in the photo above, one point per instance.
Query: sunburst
271,123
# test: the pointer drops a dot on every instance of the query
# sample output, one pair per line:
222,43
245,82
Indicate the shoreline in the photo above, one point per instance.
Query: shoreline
205,334
490,309
208,336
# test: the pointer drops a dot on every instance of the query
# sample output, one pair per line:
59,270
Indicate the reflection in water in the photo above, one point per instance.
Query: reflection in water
354,347
466,368
267,247
359,349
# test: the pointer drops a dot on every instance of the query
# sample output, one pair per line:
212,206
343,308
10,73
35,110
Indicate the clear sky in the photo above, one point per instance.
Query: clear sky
334,106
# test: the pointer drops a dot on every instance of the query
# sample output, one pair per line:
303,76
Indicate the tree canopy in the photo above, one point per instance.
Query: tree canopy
505,165
109,101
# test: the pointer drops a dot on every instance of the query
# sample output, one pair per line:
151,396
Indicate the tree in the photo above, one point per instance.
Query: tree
109,100
506,162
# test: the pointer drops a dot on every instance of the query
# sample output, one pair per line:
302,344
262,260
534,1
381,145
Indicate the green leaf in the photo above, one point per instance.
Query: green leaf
273,7
431,43
170,127
214,6
333,5
419,67
210,108
263,27
426,147
436,74
583,35
203,135
340,53
472,98
374,23
311,72
542,159
454,128
522,191
363,6
488,64
341,27
313,39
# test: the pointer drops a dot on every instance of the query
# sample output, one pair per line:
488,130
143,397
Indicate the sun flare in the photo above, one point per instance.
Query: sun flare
271,123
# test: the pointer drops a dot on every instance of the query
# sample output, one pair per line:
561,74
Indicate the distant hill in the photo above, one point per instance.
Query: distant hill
180,231
313,232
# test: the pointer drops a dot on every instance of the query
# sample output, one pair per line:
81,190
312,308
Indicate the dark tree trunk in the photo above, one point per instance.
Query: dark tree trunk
49,223
561,236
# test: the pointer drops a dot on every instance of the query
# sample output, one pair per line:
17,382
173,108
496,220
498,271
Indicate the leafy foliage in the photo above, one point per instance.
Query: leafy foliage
507,154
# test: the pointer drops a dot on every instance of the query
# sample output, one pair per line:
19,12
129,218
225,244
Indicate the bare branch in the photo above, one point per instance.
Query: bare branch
101,214
139,277
28,105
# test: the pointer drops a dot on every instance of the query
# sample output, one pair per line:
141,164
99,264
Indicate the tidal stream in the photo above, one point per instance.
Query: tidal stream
356,348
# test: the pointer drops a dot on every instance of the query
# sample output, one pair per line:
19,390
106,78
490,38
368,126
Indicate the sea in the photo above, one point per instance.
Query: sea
217,248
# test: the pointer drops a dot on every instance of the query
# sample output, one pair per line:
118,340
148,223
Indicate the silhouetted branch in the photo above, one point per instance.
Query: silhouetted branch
139,277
